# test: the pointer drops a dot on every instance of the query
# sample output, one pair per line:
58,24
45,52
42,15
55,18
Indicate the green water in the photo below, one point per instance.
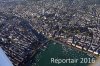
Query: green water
56,50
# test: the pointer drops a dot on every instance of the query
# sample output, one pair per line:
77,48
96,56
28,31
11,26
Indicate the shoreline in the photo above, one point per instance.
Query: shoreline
79,48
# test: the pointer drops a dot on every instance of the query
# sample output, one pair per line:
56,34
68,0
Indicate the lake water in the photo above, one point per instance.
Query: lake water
60,51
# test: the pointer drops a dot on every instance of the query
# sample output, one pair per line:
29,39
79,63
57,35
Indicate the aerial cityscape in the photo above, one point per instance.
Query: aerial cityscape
34,31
